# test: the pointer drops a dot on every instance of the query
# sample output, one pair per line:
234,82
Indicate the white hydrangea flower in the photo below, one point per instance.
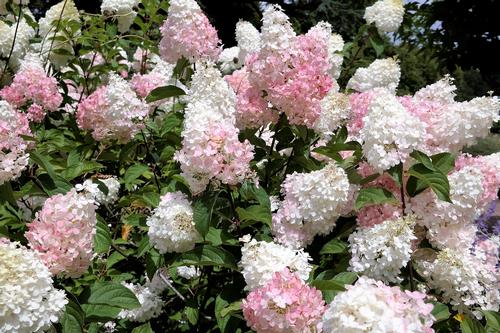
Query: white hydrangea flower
371,307
260,260
335,110
443,91
277,31
382,73
318,195
248,38
229,59
390,133
313,202
124,11
456,236
188,272
211,99
335,48
171,227
386,14
22,45
64,10
151,304
477,116
466,187
161,67
92,188
28,300
463,281
381,251
3,3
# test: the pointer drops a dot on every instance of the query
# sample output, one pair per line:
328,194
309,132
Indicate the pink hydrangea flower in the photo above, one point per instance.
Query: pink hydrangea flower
285,305
188,33
295,79
13,155
144,84
62,233
360,102
252,110
32,88
112,112
214,154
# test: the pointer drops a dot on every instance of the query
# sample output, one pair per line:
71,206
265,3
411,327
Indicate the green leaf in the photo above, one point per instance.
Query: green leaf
191,314
6,194
471,325
164,92
231,308
207,255
53,183
113,259
218,237
328,285
492,321
257,213
134,172
333,150
254,213
99,312
224,302
152,199
146,328
444,162
396,173
374,196
422,177
440,311
201,217
377,46
102,238
334,246
346,277
249,191
423,158
113,294
44,163
73,318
